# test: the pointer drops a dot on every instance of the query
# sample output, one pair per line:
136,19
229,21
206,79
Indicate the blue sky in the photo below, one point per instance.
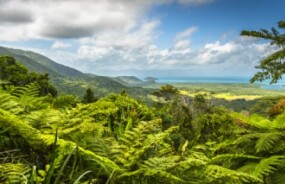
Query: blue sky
162,38
218,18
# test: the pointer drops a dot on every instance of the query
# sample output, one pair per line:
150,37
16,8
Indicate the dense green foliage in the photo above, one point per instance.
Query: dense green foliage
13,73
119,140
272,67
89,97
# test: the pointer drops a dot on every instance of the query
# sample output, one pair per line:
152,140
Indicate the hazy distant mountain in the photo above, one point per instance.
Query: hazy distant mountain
72,81
129,80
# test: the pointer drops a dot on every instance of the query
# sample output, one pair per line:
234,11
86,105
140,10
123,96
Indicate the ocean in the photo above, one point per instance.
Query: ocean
222,80
228,80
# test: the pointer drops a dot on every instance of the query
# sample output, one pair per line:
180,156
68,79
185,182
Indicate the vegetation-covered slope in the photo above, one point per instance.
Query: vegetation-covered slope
117,139
68,80
129,80
39,63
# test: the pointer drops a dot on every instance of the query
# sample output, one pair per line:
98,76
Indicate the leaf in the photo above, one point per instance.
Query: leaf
268,165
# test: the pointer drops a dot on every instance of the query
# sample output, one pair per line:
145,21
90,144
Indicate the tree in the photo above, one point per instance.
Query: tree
273,66
201,104
89,96
167,92
16,74
277,109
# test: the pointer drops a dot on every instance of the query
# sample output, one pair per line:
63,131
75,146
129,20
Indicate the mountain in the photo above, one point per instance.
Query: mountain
129,80
39,63
71,81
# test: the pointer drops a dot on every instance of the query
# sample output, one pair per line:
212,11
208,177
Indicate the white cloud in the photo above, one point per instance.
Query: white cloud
92,53
186,33
12,33
71,18
194,2
75,19
229,58
116,36
60,45
182,44
137,38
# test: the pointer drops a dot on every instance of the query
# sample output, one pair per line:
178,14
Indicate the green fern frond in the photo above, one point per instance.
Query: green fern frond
162,163
228,157
163,175
31,90
268,165
41,142
45,120
262,141
9,103
141,143
218,174
246,139
199,155
277,177
152,175
248,167
267,141
13,173
101,147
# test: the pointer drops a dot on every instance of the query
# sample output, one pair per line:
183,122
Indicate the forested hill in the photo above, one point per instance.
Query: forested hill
69,80
39,63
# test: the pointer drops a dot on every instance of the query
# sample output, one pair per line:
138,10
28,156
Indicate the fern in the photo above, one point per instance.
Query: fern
217,174
42,142
45,120
140,142
267,141
277,177
9,103
229,157
263,141
153,176
268,165
14,173
156,169
31,90
261,122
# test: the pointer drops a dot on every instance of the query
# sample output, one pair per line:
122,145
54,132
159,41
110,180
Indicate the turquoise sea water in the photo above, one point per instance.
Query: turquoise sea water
221,80
228,80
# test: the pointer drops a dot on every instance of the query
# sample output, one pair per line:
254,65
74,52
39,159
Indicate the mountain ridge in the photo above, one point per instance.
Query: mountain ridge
69,80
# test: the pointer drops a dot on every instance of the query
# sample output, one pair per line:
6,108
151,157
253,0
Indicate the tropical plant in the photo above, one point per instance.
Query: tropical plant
272,67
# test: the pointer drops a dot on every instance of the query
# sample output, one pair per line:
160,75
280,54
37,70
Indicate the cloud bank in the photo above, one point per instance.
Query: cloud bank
116,37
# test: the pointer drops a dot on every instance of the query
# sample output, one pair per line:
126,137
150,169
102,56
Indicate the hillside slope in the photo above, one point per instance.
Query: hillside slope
70,80
129,80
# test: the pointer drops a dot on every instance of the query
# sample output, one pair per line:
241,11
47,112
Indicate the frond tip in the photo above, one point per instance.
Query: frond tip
268,165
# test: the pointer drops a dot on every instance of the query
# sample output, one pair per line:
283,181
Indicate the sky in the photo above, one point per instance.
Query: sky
160,38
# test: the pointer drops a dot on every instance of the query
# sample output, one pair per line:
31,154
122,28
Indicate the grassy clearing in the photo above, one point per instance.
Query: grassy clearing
226,96
224,91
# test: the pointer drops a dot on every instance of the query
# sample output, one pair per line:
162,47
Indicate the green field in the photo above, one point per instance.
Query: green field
225,91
